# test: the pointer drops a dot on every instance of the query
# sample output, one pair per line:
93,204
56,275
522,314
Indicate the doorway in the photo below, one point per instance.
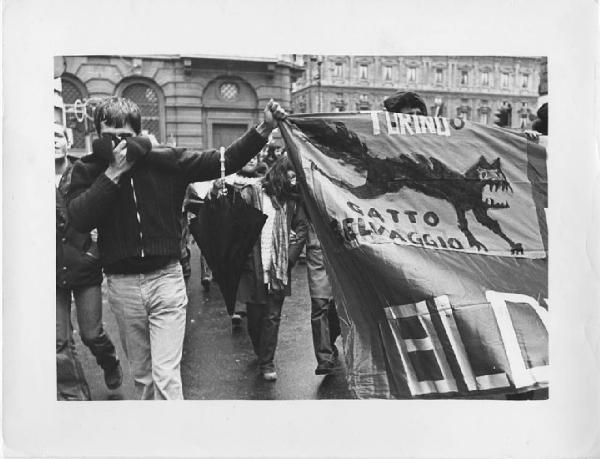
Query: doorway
224,134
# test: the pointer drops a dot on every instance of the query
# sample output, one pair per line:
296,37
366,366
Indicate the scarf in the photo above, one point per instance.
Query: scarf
278,273
137,147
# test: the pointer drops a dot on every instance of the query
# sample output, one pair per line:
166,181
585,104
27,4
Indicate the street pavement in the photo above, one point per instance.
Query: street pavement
218,363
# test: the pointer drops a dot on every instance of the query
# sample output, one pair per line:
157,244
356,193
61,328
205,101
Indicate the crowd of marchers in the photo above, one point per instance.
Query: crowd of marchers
122,214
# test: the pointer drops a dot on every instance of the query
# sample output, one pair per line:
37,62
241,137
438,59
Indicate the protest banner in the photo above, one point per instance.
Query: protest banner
435,233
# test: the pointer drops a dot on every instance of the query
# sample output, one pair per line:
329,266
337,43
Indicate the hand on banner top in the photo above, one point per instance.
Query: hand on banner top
273,114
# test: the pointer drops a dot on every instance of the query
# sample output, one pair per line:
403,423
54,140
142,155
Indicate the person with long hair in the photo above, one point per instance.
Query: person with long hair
266,278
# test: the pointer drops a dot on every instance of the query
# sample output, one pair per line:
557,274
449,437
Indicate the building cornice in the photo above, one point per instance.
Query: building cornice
389,91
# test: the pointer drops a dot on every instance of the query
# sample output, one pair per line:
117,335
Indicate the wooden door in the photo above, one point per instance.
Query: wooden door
224,134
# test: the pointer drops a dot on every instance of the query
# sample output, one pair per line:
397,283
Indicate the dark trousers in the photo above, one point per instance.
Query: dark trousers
88,301
325,327
70,380
263,328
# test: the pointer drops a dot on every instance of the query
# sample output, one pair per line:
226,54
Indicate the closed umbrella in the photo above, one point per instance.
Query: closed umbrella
226,229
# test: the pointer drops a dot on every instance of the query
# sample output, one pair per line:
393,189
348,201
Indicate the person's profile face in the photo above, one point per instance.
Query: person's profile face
116,135
250,165
60,143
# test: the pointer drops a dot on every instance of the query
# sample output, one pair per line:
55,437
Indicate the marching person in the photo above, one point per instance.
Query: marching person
539,127
538,134
250,174
540,124
79,276
135,203
266,279
323,318
195,196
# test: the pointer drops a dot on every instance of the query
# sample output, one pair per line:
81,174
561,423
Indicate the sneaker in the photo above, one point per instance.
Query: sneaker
113,377
269,375
327,368
236,321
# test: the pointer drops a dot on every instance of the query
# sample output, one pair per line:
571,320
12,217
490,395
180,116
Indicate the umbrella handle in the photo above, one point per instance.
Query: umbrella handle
222,151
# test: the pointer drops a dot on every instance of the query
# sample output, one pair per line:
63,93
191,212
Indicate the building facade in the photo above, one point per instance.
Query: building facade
468,87
190,101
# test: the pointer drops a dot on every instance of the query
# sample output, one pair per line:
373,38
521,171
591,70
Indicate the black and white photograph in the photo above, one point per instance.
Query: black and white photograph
300,230
210,293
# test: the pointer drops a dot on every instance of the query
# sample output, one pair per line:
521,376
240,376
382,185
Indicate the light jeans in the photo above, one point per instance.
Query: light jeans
150,310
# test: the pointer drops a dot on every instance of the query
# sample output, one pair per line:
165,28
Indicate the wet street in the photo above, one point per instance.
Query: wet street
218,362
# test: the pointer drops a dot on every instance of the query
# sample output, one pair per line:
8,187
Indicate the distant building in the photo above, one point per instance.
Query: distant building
192,101
469,87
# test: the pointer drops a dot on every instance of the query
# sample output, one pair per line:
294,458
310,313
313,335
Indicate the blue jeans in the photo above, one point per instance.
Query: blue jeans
150,309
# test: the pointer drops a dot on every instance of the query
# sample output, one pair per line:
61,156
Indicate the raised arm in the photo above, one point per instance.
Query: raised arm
198,167
201,166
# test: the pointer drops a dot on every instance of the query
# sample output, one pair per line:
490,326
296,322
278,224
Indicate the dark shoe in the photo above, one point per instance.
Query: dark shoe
113,377
206,284
328,368
236,321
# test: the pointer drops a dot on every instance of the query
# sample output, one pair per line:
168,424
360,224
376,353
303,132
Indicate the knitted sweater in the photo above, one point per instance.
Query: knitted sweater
140,216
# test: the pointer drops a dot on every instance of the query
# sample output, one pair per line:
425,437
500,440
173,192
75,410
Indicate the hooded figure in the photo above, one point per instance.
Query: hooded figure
405,102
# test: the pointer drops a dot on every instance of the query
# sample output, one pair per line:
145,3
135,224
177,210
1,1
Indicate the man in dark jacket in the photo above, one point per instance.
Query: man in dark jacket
135,201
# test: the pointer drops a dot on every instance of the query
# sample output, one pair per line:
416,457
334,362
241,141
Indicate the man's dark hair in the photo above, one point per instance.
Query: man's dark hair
117,112
405,100
541,123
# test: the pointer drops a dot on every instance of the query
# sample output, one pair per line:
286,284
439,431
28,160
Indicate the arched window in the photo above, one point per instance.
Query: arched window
70,93
147,99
